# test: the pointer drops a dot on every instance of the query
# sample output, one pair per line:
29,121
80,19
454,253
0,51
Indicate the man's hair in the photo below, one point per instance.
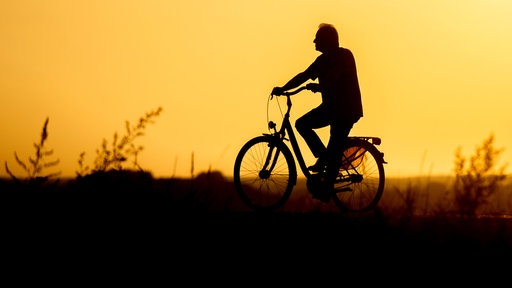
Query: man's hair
329,34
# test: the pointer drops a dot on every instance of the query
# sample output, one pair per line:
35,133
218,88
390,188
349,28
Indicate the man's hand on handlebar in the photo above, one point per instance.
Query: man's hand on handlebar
314,87
277,91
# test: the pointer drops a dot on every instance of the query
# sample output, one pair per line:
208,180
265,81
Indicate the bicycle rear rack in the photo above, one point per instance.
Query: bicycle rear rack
371,139
374,140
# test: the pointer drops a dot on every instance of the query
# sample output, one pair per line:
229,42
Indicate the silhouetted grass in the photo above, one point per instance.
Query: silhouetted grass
413,218
121,150
37,166
203,216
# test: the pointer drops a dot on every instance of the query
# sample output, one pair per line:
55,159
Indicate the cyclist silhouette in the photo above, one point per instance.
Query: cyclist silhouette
341,105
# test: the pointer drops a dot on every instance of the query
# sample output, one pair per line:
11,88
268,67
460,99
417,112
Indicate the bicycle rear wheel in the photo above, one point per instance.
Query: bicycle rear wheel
360,182
264,173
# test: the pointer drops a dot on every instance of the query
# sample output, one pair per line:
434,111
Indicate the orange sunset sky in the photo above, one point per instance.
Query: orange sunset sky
434,75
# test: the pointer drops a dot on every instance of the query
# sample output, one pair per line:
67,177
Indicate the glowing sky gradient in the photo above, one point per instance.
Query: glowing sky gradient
434,75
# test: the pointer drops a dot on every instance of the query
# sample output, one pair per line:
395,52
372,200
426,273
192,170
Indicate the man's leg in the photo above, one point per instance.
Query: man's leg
314,119
339,134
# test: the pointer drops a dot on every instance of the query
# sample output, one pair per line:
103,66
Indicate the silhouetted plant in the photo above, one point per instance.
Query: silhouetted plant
409,199
114,156
477,178
37,164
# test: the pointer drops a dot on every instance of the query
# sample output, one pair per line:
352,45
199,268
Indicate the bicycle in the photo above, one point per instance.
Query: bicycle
265,171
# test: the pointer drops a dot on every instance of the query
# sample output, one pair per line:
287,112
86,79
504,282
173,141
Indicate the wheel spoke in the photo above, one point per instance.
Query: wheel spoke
361,182
266,190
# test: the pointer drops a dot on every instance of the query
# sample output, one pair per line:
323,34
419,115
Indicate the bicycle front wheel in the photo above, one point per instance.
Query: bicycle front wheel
360,183
264,173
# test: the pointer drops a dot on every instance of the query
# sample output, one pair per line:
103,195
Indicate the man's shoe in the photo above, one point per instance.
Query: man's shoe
316,169
319,166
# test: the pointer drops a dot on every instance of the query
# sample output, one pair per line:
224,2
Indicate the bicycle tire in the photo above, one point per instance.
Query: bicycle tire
360,184
259,190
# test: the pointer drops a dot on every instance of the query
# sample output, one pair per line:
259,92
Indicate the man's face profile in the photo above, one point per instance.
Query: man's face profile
319,41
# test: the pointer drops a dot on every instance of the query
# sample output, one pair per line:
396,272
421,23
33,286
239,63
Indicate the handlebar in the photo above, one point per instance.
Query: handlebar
290,93
293,92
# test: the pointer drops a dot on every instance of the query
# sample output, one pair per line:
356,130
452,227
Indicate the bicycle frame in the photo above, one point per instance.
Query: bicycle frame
286,127
265,170
280,136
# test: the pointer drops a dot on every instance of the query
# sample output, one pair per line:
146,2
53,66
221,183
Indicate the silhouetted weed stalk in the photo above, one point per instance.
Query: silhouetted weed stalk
477,178
111,157
38,163
115,156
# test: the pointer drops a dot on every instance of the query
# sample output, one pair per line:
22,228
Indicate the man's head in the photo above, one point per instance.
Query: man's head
326,38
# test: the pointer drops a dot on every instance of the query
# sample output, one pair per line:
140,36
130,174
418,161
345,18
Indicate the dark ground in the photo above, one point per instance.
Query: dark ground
150,221
155,230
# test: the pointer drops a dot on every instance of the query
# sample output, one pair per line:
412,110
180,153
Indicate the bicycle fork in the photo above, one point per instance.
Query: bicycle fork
271,161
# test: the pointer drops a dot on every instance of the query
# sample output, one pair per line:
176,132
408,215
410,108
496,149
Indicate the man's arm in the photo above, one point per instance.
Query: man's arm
293,83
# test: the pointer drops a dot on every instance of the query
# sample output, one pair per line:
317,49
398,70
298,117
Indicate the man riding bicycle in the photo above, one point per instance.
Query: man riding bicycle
341,105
